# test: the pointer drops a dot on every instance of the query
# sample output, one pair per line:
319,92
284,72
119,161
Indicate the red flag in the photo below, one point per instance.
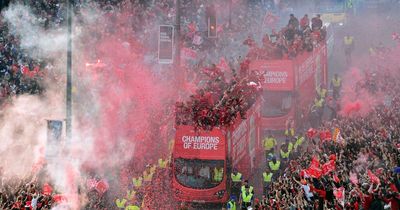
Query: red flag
339,195
311,133
373,177
102,186
336,178
332,157
47,189
314,170
328,167
59,198
314,162
325,135
91,183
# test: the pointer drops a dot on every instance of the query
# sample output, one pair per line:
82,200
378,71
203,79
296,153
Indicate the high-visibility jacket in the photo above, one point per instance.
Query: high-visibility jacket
132,207
153,169
218,174
162,163
237,177
285,154
289,131
336,82
231,205
120,203
269,143
348,40
137,182
267,177
321,92
274,166
290,146
298,142
243,189
246,197
130,194
319,103
147,176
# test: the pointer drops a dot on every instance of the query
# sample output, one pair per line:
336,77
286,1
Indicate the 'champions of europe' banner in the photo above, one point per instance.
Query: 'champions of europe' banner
191,143
165,44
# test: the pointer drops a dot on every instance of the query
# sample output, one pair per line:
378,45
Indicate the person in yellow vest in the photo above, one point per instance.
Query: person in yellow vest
289,124
336,85
120,203
148,174
162,163
231,205
153,168
246,184
267,179
236,178
218,174
269,144
132,207
285,150
137,182
274,165
299,142
321,91
348,41
318,109
246,197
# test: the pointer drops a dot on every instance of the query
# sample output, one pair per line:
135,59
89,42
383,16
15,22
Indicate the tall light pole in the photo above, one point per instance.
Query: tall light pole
177,61
69,74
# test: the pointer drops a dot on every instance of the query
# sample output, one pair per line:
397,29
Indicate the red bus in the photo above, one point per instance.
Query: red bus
197,153
289,87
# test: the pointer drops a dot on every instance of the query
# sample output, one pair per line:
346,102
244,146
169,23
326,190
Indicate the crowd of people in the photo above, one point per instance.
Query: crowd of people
220,102
290,41
351,162
19,74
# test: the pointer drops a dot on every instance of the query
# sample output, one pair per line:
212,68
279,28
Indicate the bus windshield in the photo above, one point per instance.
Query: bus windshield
198,174
276,103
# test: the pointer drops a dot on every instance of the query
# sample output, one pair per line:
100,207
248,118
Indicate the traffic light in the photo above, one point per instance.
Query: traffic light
212,23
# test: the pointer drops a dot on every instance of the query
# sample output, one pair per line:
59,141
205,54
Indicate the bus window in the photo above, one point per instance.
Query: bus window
276,103
197,174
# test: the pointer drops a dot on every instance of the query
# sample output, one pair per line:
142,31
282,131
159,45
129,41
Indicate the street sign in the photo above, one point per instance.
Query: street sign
165,44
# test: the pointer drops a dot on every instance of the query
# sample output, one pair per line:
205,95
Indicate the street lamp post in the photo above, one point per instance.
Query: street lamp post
69,75
177,61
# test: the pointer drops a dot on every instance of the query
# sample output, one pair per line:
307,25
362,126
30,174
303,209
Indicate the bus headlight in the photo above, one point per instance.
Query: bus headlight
341,24
220,193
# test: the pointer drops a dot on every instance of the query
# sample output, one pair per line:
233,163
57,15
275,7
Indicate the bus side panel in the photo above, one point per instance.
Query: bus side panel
240,148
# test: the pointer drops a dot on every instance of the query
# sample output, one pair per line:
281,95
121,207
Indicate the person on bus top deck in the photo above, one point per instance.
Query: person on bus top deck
304,22
294,22
316,22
